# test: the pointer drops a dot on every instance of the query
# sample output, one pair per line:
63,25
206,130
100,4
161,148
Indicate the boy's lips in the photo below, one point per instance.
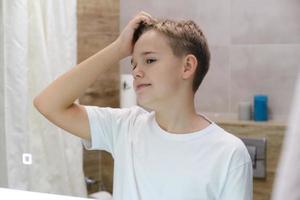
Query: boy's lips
142,85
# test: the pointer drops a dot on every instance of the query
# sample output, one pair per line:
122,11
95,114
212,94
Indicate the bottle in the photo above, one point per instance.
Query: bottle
260,108
245,110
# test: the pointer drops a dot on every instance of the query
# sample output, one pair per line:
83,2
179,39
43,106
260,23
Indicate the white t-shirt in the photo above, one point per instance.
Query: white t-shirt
152,164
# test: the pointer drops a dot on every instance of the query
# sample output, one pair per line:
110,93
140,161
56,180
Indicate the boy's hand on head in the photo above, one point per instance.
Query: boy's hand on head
124,41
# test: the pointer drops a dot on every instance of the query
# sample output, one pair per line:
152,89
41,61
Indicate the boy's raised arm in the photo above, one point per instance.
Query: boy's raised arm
63,91
56,101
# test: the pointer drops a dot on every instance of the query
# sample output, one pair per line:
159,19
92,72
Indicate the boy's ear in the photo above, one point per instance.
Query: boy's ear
189,66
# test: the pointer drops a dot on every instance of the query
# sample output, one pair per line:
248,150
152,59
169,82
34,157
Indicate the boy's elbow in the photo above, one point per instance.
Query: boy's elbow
35,102
38,105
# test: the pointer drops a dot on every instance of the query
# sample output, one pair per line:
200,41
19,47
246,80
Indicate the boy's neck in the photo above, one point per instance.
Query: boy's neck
181,118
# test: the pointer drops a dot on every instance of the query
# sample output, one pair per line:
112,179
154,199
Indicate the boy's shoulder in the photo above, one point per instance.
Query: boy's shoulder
117,115
227,137
230,143
134,111
128,111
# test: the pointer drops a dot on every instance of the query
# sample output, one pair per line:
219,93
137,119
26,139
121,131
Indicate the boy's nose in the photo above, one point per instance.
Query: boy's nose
137,73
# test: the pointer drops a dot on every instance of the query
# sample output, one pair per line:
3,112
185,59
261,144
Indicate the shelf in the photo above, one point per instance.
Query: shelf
250,123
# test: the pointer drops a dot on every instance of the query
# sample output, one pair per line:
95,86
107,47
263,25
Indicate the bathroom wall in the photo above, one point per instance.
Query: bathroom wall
255,47
98,26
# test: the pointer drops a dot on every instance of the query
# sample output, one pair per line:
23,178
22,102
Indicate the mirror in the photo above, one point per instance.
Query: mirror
41,40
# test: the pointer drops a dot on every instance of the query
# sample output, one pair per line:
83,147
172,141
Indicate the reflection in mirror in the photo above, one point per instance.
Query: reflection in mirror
41,40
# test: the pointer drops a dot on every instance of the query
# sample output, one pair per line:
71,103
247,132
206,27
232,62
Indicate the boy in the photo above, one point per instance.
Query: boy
170,153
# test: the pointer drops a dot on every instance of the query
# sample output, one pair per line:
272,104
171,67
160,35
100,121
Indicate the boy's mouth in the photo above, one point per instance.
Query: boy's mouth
141,86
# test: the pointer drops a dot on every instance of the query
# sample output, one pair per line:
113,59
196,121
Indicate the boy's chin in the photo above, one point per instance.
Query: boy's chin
146,105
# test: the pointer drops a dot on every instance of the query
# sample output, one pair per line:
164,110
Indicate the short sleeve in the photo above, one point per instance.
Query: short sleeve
238,184
108,126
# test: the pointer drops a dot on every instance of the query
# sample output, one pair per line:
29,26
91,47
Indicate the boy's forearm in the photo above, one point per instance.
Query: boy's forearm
63,91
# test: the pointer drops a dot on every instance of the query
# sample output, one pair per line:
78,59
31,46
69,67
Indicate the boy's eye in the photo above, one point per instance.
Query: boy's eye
149,61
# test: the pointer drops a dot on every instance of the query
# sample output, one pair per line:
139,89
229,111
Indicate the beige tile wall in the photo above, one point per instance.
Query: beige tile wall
255,48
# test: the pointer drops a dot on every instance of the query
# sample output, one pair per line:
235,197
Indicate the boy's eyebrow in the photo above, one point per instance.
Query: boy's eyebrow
143,54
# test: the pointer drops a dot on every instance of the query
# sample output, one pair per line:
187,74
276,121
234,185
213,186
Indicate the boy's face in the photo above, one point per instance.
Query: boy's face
156,70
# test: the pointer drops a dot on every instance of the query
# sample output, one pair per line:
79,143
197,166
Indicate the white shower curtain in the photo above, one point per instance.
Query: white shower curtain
39,44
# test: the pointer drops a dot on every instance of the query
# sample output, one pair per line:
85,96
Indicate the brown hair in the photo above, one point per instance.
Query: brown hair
184,37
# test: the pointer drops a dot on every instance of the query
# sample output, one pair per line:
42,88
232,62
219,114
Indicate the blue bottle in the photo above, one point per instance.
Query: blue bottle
260,108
